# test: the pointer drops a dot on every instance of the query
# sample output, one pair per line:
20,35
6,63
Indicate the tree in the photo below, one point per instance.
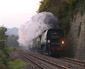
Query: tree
64,10
4,55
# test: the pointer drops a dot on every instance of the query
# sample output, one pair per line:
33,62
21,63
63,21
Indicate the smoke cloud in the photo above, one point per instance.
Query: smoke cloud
35,27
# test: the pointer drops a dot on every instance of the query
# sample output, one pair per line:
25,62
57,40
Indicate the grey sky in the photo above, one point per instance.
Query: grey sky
14,13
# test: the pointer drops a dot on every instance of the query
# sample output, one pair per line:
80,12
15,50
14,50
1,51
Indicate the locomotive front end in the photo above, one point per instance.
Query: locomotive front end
55,42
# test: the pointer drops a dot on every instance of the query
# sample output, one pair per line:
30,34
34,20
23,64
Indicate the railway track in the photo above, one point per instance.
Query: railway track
45,62
74,61
68,61
27,59
41,62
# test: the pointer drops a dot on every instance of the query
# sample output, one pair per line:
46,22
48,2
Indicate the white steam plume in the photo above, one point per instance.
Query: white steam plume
35,27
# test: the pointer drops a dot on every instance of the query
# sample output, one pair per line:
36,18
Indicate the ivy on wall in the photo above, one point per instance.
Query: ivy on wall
64,10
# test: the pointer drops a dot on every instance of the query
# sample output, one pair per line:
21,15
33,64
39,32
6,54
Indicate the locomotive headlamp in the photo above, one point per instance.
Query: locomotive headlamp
48,41
63,42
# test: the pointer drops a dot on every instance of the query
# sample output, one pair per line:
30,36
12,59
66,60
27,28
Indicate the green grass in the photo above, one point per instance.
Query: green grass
17,64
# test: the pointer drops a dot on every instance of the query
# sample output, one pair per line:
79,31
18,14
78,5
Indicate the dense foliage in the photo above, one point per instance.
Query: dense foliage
4,55
64,10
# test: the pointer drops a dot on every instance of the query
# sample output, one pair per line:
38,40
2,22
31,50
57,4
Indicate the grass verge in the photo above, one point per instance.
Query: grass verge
17,64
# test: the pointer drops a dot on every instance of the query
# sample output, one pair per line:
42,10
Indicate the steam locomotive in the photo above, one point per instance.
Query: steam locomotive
54,43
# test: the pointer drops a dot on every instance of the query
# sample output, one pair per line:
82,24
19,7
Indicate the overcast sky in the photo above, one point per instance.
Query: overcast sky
14,13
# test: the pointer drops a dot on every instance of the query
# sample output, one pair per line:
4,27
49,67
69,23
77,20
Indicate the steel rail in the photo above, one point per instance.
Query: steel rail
40,67
47,61
74,61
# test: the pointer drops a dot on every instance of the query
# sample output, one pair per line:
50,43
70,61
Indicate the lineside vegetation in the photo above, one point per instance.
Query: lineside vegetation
64,10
